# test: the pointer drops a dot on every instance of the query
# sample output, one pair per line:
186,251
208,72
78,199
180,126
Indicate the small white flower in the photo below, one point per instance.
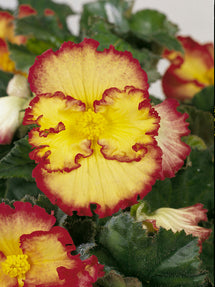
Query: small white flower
18,87
9,117
11,107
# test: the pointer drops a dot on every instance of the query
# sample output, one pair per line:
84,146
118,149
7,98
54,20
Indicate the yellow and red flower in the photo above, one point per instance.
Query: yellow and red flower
96,140
34,253
188,73
186,219
7,34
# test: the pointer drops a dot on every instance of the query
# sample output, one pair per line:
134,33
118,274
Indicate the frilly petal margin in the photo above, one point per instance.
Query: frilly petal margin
57,116
109,184
172,127
38,219
132,123
89,273
47,251
82,72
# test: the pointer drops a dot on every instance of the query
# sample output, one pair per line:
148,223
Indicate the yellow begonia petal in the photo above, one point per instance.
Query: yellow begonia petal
172,127
131,123
24,219
46,252
108,183
57,145
80,71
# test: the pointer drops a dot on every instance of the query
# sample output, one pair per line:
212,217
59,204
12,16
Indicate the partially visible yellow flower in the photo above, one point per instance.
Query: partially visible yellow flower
6,64
7,34
7,29
34,253
191,72
96,135
186,219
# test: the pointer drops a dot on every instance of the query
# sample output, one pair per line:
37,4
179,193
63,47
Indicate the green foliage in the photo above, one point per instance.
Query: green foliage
198,121
153,26
192,184
18,188
16,163
204,100
61,10
82,229
4,79
207,257
164,259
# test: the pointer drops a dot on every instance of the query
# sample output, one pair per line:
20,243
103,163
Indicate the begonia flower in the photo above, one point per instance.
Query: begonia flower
95,140
11,106
189,72
34,253
6,64
7,34
186,219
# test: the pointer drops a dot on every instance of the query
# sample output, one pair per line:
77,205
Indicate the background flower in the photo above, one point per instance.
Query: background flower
191,72
186,219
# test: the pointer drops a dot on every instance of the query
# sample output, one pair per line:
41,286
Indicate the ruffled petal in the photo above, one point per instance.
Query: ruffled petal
24,219
131,123
58,141
89,273
172,127
108,183
80,71
46,252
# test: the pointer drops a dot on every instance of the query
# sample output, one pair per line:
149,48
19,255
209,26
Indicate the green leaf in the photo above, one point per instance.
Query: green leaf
4,149
201,123
191,185
4,79
2,188
207,257
82,229
114,279
17,163
204,100
33,26
151,25
18,188
44,202
23,58
114,12
195,142
62,10
166,259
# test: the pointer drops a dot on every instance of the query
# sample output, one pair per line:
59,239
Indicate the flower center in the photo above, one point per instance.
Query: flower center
91,124
16,266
